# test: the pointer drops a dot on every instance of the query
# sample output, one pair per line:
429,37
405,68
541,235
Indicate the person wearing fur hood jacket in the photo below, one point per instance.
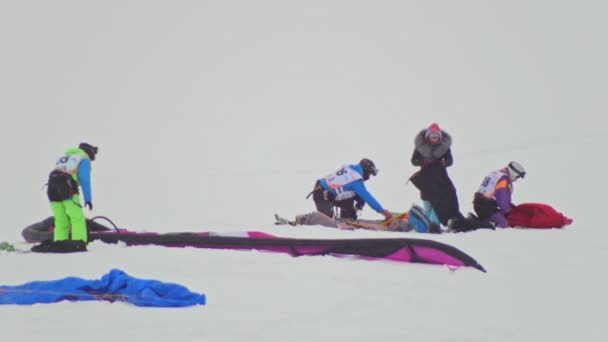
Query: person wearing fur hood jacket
432,146
433,154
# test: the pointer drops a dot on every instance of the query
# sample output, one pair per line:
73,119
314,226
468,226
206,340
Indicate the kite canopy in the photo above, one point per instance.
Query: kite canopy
537,215
394,249
114,286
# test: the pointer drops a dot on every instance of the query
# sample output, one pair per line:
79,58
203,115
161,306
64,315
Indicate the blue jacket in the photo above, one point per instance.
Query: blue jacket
358,188
84,178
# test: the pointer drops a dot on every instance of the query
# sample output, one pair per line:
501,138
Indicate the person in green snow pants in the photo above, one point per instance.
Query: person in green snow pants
72,170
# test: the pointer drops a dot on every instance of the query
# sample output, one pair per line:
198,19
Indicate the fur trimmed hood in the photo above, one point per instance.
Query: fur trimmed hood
430,151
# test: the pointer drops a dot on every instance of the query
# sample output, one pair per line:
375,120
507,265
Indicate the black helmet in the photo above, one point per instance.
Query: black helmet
369,168
90,150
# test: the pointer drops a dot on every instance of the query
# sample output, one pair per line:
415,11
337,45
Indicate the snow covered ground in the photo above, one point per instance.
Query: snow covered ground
214,115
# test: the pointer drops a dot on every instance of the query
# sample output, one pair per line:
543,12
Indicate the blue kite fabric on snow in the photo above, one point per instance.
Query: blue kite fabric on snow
114,286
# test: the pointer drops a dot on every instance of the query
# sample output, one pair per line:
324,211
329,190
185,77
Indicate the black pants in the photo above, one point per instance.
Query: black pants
326,205
484,207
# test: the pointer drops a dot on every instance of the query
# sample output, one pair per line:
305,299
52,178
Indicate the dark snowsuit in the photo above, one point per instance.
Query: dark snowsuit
432,179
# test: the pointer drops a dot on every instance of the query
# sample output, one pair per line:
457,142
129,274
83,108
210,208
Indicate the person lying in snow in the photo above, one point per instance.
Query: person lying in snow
414,220
395,223
343,188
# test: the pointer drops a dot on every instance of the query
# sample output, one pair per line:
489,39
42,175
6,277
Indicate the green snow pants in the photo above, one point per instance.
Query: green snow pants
66,213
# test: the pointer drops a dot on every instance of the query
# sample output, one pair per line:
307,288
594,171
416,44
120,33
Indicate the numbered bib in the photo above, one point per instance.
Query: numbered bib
68,164
488,186
342,177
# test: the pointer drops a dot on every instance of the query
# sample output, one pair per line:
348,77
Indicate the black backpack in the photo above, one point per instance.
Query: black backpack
61,186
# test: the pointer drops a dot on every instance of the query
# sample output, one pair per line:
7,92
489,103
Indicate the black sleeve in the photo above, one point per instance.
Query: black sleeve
447,158
416,158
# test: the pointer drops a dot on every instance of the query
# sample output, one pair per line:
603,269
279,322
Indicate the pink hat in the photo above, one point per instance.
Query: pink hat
433,131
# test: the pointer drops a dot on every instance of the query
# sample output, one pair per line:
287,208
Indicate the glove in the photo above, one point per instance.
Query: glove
89,205
359,205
